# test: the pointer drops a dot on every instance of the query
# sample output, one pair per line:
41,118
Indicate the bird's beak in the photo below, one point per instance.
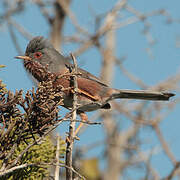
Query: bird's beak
26,58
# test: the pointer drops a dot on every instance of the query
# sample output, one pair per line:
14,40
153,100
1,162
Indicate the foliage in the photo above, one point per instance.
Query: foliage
42,153
24,124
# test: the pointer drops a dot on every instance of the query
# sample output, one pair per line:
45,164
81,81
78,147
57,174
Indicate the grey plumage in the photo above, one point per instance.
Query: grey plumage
141,94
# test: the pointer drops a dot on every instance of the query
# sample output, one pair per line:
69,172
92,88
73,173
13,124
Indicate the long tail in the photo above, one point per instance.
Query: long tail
141,94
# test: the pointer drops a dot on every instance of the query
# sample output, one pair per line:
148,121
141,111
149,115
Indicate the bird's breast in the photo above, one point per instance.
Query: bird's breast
39,72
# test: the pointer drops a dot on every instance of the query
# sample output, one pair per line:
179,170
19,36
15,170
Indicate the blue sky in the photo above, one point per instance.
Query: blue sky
130,43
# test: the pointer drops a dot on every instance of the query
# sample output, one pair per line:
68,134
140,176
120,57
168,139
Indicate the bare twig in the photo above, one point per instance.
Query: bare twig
14,39
72,17
58,22
173,172
70,138
20,28
40,165
42,6
131,76
3,173
57,157
164,145
107,74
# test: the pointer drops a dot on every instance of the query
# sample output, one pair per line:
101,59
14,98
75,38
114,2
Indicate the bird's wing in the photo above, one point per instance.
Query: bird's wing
91,88
86,75
88,84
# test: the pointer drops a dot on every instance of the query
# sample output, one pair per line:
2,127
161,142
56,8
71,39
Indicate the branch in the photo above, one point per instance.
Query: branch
20,29
16,168
58,23
40,165
70,138
173,172
57,158
164,144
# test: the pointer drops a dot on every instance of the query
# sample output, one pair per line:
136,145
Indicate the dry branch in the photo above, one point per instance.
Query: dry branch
70,138
57,157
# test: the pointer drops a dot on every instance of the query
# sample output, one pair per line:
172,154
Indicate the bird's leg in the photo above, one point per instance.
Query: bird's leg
84,118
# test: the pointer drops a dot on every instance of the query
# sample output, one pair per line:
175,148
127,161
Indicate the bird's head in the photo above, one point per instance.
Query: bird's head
41,58
38,50
40,53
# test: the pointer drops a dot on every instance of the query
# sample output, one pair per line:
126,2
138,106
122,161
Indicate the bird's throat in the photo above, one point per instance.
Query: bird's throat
39,72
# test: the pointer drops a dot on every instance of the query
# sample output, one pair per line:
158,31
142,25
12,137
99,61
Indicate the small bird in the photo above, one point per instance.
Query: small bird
41,59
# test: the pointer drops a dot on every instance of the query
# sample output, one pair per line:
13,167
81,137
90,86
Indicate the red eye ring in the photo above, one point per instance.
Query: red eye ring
37,55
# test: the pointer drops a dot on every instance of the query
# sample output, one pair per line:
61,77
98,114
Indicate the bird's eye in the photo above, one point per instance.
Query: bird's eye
37,55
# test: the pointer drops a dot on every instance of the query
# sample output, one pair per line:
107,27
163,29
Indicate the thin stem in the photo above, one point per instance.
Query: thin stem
70,138
57,158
